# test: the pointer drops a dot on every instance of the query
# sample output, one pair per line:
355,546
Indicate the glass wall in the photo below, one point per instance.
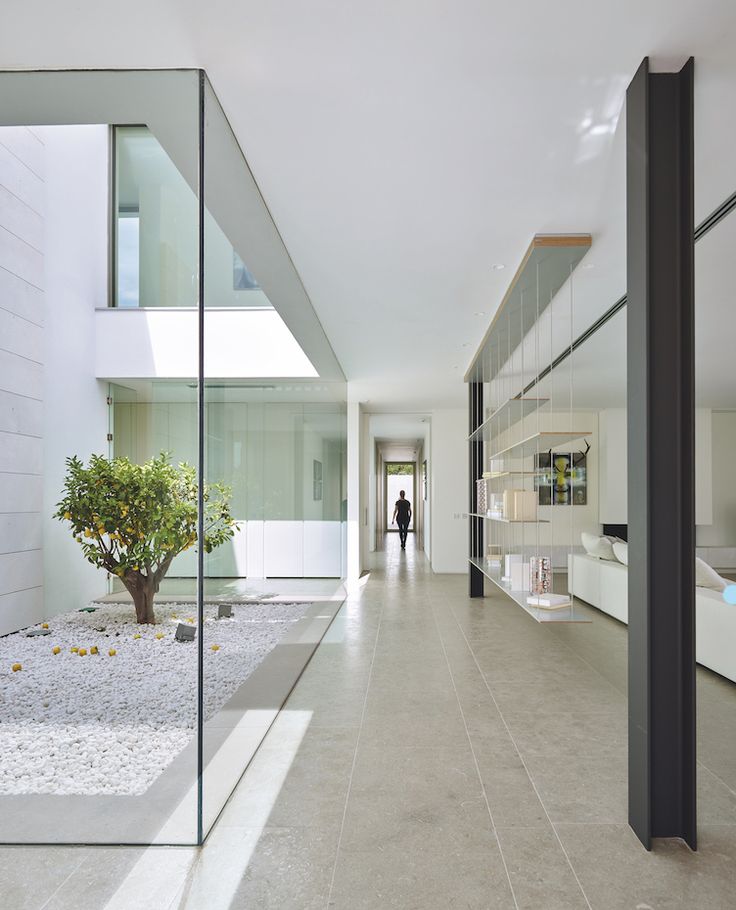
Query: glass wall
177,573
156,238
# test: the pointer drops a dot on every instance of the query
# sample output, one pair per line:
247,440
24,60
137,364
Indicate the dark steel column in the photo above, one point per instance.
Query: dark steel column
661,454
475,525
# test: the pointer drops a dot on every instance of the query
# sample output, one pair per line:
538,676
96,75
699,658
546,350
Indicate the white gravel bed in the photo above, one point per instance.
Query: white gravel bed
102,724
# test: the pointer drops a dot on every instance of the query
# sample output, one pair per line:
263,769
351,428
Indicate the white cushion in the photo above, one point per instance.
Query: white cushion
621,551
707,577
599,547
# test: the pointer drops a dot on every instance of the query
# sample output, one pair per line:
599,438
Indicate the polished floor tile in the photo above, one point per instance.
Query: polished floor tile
437,752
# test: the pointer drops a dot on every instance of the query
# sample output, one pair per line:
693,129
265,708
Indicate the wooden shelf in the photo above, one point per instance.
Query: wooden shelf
547,265
565,614
539,442
512,411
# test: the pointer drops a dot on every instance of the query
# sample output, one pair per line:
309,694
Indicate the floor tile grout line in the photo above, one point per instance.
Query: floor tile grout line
475,762
355,755
61,885
521,758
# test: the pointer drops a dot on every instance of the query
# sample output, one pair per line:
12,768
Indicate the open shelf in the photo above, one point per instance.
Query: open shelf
564,614
510,521
538,442
511,411
546,266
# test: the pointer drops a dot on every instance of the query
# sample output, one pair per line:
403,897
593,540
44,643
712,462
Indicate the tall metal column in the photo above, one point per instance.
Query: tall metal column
661,455
476,578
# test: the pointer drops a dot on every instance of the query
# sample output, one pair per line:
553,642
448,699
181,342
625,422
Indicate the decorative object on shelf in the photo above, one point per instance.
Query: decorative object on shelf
541,574
549,601
494,555
561,478
520,576
481,495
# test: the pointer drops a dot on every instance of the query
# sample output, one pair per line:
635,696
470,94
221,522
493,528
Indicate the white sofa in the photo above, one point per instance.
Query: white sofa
603,584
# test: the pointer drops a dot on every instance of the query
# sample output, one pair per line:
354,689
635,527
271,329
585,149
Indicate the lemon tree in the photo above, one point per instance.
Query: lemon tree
133,519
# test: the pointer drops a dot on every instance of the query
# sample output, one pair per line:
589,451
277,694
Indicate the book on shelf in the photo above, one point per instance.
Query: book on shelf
520,505
541,574
549,601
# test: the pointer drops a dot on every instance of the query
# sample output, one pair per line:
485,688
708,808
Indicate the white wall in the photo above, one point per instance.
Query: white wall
22,313
75,406
720,536
448,487
613,464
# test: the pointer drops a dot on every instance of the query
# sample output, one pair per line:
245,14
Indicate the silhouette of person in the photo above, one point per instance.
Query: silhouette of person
402,516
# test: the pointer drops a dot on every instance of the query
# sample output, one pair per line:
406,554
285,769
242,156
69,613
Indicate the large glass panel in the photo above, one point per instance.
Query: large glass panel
275,442
715,520
155,248
98,718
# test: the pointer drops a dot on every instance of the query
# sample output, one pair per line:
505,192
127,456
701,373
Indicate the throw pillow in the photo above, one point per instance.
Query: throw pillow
621,551
707,577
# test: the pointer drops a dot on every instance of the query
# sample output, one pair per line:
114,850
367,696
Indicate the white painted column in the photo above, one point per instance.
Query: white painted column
354,440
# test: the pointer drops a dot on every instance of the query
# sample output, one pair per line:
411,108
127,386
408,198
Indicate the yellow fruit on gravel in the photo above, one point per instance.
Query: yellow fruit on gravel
190,619
55,650
17,667
74,650
112,652
93,650
44,625
215,647
159,635
82,652
136,636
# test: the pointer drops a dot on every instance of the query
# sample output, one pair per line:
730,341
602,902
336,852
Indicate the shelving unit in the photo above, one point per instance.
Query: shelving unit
522,434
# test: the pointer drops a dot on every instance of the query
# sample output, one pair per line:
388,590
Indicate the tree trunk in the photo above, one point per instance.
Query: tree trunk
143,594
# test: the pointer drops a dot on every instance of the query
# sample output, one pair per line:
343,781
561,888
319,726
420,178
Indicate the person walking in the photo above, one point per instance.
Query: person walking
402,517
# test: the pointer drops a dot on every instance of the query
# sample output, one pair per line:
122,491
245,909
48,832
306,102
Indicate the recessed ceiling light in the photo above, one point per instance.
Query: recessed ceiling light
498,266
480,313
589,265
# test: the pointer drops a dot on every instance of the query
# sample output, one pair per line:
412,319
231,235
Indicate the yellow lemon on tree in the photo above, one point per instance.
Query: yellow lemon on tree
67,515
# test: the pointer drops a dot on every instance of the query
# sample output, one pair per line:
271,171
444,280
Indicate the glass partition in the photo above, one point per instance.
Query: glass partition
98,720
155,236
165,588
715,521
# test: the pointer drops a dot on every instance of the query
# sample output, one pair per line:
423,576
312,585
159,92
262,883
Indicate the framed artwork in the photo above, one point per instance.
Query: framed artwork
316,480
561,478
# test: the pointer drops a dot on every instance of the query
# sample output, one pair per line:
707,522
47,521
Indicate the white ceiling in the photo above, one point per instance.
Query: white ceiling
403,149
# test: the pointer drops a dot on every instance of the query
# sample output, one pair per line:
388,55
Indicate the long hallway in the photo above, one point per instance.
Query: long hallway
436,753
